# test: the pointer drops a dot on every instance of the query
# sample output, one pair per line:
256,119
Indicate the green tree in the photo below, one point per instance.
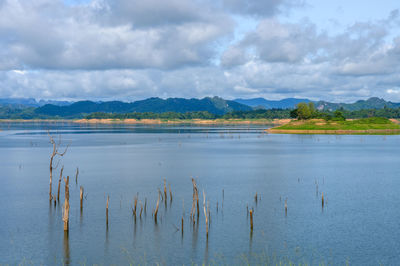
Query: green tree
338,115
293,113
304,111
312,109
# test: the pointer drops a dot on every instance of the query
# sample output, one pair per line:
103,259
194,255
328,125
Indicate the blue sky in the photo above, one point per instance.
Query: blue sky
131,49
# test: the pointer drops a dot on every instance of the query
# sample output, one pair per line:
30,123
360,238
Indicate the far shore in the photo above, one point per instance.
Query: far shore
155,121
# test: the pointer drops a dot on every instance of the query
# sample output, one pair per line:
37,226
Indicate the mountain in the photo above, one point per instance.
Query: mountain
269,104
28,102
371,103
213,105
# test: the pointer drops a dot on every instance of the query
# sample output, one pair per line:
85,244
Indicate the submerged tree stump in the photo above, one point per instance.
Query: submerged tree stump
251,220
156,211
108,198
56,146
66,205
81,196
76,176
59,183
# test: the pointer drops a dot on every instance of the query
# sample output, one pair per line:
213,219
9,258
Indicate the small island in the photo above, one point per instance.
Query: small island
310,121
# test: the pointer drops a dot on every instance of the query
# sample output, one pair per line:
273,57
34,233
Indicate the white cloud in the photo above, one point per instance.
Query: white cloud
128,50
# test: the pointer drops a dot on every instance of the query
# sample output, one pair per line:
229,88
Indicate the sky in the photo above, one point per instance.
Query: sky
339,51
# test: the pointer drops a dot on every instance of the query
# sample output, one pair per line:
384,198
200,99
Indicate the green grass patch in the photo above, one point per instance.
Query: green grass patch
358,124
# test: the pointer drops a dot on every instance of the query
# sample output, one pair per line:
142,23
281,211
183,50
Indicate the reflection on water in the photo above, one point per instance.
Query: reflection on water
67,256
358,176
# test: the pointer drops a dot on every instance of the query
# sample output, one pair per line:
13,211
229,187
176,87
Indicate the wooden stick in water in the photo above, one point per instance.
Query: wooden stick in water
205,211
81,197
223,197
170,193
108,198
182,225
209,212
165,189
66,205
195,200
156,211
322,199
286,206
59,183
135,205
251,220
76,176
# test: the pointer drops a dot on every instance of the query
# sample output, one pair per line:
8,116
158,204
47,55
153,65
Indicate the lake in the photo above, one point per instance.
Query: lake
359,177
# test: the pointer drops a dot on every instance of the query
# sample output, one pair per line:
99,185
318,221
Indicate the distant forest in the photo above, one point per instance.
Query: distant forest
254,114
29,113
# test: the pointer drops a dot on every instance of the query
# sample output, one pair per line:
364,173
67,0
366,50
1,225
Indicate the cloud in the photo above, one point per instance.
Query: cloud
46,34
273,41
129,50
260,8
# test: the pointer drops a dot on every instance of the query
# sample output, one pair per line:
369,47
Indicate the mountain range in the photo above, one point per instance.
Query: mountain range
261,103
371,103
213,105
29,102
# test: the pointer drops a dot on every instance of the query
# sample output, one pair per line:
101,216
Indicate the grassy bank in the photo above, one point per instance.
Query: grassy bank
373,125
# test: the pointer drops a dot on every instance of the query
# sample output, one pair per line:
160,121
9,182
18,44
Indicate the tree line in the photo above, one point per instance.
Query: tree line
308,111
302,111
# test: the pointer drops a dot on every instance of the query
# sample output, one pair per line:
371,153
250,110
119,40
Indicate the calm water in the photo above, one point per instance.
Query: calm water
359,176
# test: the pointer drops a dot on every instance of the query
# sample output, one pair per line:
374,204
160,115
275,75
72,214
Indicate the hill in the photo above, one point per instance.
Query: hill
371,103
28,102
213,105
290,103
261,103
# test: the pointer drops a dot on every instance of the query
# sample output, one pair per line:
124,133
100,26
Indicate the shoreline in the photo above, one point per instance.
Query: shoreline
154,121
366,131
335,132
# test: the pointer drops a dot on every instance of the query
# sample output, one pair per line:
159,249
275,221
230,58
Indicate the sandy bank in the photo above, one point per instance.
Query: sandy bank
193,121
154,121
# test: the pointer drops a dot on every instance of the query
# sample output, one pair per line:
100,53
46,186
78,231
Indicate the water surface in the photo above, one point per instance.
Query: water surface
359,176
